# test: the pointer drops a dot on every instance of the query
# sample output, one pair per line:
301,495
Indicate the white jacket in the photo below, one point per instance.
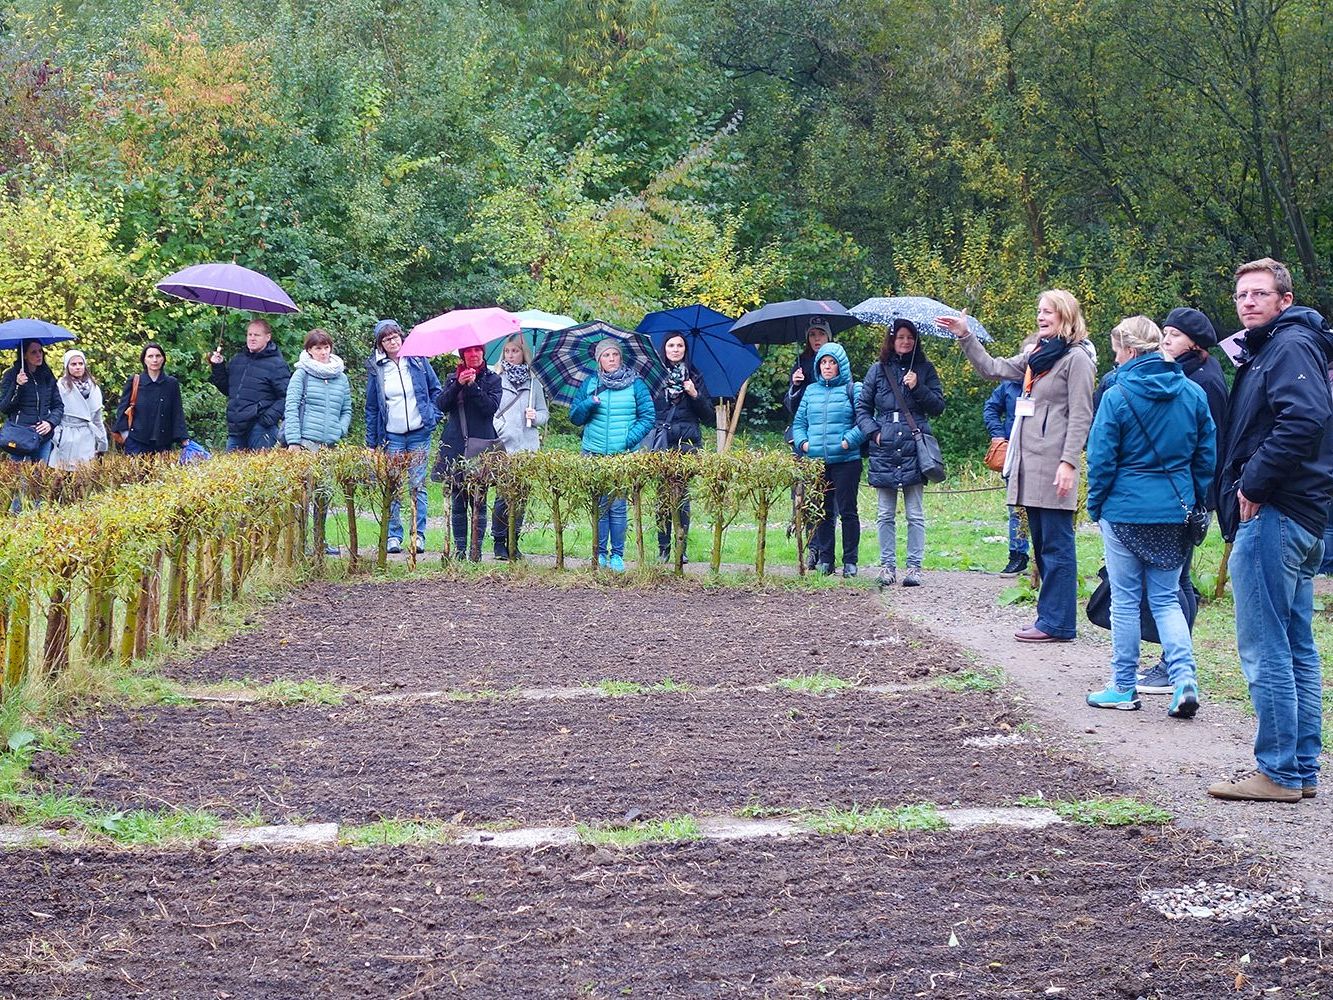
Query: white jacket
81,435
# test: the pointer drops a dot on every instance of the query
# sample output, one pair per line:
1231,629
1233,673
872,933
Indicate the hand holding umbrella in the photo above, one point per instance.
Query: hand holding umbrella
957,325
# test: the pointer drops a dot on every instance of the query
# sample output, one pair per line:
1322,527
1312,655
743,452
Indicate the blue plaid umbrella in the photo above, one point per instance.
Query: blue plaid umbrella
723,361
565,358
918,310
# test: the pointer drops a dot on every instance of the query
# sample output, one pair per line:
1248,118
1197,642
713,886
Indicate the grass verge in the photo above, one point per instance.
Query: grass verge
817,684
877,819
1101,811
673,829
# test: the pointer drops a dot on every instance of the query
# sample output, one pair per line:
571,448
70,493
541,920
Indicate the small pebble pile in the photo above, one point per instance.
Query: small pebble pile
1217,901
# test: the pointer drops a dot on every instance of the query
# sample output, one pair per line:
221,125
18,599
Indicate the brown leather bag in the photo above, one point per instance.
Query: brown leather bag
120,436
995,454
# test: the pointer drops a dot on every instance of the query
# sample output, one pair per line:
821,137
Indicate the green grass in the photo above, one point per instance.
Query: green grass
1101,811
818,683
279,692
876,819
670,830
397,833
619,689
972,680
141,826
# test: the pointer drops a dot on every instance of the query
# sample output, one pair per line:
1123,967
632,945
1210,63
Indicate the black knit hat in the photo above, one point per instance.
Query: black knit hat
1194,325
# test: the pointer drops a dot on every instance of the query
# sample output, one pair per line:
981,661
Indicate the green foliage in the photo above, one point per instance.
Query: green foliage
972,680
817,684
1101,811
672,829
397,833
875,819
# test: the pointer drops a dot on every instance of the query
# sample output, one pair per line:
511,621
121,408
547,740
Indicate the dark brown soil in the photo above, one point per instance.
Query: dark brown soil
1051,914
442,634
548,760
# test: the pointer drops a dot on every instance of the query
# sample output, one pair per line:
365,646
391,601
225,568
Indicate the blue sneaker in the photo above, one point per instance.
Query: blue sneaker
602,561
1185,701
617,564
1155,681
1113,697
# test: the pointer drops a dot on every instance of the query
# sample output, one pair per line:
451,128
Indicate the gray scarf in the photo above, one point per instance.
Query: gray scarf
621,378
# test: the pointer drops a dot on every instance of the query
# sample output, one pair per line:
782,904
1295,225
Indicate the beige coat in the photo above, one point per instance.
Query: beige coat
1058,428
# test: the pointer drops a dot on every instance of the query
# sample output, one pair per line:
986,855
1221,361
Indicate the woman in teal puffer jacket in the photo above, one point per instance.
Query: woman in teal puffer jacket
615,410
825,428
318,409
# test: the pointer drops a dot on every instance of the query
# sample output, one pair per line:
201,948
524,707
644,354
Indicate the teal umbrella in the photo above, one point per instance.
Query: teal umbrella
536,325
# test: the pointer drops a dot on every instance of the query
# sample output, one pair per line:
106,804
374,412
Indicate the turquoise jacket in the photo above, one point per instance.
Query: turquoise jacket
613,420
319,402
827,417
1153,446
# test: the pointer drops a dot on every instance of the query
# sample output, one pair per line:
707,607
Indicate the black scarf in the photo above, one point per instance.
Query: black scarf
675,381
1049,350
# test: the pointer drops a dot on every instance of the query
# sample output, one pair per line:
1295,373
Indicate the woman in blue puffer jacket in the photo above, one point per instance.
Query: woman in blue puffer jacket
318,409
903,366
615,410
1151,456
825,428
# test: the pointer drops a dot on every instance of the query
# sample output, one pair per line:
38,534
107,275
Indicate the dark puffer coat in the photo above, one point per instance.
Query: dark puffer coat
893,460
36,400
687,415
255,384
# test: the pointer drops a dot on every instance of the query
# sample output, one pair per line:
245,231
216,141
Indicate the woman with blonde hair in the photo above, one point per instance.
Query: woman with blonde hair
1051,420
1151,458
81,436
522,413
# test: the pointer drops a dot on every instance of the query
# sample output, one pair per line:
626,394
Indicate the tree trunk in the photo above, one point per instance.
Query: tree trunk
55,647
557,526
761,535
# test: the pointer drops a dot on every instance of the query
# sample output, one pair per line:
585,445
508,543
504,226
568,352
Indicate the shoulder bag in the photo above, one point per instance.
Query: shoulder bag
472,447
928,455
659,438
1197,517
121,436
20,439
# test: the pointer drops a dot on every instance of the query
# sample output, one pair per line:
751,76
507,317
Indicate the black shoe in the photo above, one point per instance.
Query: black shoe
811,560
825,568
501,555
1018,561
848,570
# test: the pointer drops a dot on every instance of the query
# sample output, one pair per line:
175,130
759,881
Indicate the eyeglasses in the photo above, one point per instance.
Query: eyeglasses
1261,294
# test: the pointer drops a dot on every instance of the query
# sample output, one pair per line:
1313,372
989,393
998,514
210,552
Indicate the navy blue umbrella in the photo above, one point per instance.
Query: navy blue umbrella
786,322
723,361
16,331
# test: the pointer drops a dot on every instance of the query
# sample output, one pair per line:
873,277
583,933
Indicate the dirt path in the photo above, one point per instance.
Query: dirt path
1165,759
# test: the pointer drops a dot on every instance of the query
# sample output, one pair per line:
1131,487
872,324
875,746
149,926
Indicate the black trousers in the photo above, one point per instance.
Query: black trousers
841,482
500,526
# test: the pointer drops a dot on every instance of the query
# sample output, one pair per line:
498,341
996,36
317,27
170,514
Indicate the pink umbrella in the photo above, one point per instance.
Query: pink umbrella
457,329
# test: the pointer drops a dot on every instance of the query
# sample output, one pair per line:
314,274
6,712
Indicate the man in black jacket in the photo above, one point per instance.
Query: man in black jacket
1273,491
255,384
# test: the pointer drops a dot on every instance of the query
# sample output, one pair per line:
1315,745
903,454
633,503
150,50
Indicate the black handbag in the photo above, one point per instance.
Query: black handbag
929,458
1099,609
18,439
475,447
659,438
1197,517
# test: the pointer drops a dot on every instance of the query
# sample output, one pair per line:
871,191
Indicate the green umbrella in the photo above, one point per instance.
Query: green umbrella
536,325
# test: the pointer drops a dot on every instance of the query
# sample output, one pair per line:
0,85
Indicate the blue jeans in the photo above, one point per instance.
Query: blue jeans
1326,566
1128,577
1053,546
1273,563
417,443
611,526
257,438
1018,537
914,506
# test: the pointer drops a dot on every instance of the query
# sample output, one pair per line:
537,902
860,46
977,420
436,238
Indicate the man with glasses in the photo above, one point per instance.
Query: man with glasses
1274,486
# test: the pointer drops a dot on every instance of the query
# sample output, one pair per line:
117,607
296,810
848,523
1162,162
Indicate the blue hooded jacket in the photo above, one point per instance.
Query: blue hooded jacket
1153,446
827,415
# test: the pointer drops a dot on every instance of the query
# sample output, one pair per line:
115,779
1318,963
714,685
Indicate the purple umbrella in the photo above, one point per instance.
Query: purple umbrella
228,286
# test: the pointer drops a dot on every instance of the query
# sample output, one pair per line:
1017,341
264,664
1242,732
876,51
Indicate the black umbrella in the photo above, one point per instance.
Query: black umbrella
786,322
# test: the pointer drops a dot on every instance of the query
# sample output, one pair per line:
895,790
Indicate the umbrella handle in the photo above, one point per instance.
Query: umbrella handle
529,400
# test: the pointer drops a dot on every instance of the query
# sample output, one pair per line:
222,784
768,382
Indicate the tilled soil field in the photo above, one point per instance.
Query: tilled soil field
529,761
492,634
1001,915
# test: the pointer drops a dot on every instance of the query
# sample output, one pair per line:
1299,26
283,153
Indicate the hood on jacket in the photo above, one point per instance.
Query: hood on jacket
1291,316
836,352
1152,377
328,369
267,351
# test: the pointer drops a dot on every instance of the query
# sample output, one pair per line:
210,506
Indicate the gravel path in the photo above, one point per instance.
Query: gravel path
1170,761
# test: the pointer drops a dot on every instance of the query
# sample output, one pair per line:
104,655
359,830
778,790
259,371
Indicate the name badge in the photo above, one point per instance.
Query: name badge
1024,407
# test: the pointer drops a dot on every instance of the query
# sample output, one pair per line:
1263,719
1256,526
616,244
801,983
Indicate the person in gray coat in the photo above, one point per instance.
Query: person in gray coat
81,436
522,413
903,366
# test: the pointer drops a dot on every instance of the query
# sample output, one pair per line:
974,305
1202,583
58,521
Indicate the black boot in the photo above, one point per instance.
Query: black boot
1018,561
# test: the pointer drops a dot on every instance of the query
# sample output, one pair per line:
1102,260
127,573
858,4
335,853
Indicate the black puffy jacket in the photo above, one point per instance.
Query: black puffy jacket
255,385
685,418
893,460
36,400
